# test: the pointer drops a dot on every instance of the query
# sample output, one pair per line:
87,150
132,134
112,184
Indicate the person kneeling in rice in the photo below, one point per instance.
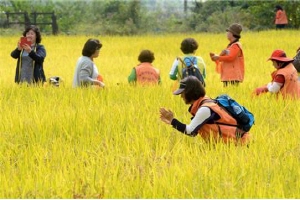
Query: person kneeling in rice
284,78
209,120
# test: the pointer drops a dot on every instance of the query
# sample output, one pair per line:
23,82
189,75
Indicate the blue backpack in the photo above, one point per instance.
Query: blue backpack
191,70
244,118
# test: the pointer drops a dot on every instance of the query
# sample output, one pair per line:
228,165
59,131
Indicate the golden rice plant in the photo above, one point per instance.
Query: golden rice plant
93,143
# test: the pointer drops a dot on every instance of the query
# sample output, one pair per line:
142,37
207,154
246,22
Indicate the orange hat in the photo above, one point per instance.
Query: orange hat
279,55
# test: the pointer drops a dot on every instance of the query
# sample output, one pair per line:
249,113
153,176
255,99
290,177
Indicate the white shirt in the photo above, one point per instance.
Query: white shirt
274,87
201,116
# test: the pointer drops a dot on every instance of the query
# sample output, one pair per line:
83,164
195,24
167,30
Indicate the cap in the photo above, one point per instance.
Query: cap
280,55
180,89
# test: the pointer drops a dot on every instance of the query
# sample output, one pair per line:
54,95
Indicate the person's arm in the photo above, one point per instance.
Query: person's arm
15,53
276,84
202,115
132,76
202,66
272,87
233,52
174,70
85,72
39,55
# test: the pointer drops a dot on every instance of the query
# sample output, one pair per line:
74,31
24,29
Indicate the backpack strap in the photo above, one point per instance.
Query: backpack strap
183,63
183,66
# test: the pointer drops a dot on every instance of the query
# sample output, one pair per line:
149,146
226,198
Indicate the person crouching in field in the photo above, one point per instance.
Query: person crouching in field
31,55
145,73
86,72
209,120
188,47
230,62
284,78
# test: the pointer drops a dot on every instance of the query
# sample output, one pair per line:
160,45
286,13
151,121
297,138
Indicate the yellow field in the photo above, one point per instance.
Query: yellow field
86,143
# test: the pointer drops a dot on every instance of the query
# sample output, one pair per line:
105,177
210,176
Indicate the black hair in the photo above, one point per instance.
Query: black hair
189,45
278,7
37,33
146,56
90,47
193,89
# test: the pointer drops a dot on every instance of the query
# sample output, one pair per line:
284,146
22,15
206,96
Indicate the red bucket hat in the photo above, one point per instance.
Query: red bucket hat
279,55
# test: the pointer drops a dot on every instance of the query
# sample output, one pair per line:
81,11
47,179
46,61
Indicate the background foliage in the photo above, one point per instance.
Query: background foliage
116,17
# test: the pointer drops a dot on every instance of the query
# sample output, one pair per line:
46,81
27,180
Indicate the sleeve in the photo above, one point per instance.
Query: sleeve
275,86
202,66
85,72
132,76
39,55
15,53
202,115
174,70
233,53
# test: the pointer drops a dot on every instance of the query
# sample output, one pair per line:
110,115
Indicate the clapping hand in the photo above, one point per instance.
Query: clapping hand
166,115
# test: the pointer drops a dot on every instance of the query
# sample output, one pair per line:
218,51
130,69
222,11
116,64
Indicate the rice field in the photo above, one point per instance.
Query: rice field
110,143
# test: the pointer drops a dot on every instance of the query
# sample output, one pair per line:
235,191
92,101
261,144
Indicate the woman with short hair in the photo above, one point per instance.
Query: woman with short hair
86,73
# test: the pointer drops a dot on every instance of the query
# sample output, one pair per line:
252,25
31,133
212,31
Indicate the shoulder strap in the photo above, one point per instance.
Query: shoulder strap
191,60
183,63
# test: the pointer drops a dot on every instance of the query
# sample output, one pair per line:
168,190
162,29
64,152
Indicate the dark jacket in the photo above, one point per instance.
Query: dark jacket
37,55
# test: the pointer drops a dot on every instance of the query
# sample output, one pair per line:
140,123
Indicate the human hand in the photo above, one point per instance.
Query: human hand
101,84
260,90
215,58
166,115
211,55
27,48
19,46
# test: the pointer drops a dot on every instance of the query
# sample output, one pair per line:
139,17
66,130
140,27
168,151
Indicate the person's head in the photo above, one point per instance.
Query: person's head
91,48
33,34
279,59
190,89
189,45
146,56
278,7
234,31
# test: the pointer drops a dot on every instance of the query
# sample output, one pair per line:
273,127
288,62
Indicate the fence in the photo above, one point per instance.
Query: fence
35,15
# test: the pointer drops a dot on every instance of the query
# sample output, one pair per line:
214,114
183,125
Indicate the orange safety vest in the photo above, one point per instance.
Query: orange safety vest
147,74
223,129
234,70
291,87
281,17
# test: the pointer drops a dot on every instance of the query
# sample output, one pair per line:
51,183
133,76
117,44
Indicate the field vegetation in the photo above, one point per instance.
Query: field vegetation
110,143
